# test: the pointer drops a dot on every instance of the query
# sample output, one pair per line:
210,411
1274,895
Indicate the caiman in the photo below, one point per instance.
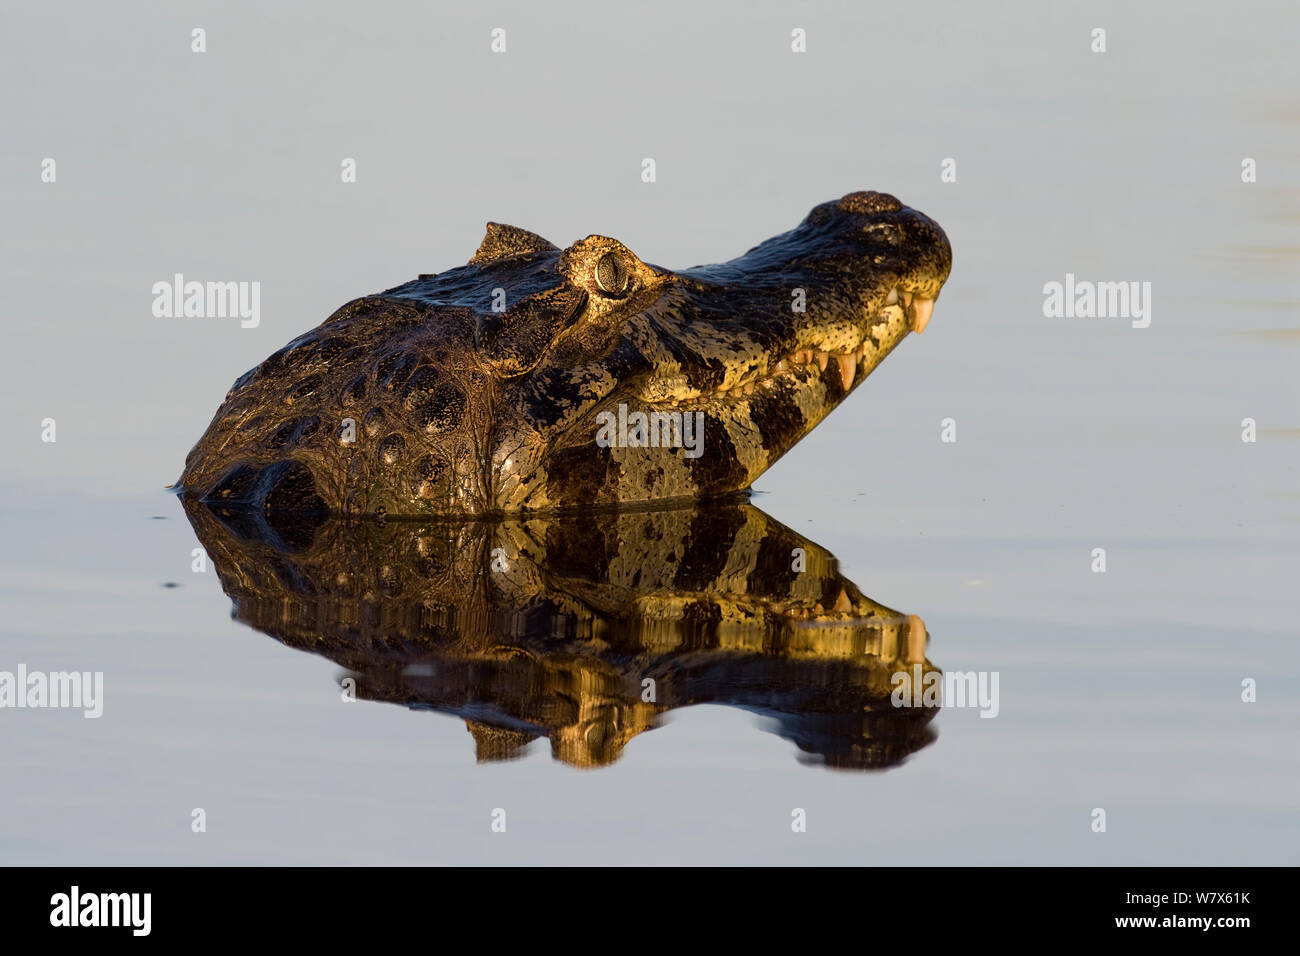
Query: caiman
492,387
584,630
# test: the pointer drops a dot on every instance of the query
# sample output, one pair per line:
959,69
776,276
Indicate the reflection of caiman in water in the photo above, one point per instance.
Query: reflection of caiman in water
585,629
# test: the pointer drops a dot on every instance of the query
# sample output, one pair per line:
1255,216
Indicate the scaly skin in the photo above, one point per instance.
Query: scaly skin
550,626
455,409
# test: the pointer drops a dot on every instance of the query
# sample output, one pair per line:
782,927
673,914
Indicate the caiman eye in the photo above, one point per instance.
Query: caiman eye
612,275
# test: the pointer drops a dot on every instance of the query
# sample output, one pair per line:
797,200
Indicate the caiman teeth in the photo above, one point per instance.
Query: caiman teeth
921,311
846,363
848,369
915,306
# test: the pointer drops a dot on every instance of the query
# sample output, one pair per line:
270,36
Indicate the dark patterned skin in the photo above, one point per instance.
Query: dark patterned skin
427,400
550,626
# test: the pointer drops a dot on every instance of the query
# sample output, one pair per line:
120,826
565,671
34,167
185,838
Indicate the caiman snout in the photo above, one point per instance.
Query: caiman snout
888,220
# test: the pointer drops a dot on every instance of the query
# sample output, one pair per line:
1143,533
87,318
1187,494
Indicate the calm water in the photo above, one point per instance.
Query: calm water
1119,690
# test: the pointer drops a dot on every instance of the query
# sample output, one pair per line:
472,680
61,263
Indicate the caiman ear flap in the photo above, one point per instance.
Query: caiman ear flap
504,242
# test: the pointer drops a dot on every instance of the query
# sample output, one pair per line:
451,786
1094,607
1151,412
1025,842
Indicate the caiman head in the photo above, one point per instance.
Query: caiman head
541,379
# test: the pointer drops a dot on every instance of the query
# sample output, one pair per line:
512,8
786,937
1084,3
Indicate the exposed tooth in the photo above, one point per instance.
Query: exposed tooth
848,368
892,297
907,299
921,312
822,359
842,603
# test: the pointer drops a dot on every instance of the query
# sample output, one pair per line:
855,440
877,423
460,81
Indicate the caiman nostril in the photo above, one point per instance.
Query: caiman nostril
869,203
887,232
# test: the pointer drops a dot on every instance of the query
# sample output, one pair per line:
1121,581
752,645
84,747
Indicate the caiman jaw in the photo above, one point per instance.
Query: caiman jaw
796,366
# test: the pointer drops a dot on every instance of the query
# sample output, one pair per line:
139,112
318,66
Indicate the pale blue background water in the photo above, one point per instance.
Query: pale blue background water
1118,690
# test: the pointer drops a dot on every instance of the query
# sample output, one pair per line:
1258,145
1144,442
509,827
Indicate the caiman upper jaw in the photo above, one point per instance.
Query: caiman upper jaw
915,308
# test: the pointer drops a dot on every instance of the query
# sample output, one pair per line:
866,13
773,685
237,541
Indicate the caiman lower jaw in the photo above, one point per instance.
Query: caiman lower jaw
916,311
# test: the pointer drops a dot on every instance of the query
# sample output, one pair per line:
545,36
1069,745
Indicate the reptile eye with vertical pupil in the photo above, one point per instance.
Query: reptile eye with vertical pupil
612,275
